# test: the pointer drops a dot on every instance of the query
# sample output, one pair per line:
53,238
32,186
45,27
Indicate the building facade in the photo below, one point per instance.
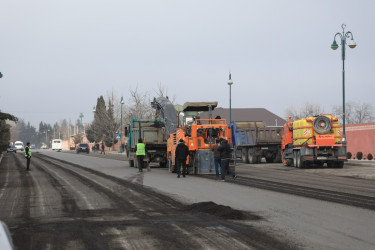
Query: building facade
361,138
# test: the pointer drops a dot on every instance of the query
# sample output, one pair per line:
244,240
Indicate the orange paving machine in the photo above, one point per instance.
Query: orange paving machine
199,135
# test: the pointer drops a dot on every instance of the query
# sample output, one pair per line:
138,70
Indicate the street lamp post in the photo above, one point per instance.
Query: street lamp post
122,102
94,110
334,46
230,83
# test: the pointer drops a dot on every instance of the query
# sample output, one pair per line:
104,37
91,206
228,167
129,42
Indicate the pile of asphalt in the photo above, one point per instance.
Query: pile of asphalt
224,212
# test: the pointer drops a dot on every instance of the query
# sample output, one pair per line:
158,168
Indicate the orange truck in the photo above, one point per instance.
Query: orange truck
313,141
199,135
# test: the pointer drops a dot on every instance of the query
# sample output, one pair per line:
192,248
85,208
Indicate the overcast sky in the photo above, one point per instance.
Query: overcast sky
58,57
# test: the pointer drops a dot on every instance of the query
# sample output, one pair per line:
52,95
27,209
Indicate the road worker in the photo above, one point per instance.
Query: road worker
28,156
182,152
217,159
103,152
140,153
225,155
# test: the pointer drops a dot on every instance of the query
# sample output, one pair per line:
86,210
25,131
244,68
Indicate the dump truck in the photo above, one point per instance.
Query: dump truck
253,140
313,141
199,135
153,134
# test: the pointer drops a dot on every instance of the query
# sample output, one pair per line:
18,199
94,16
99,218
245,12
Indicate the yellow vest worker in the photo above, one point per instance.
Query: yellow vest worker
27,151
140,153
141,149
28,155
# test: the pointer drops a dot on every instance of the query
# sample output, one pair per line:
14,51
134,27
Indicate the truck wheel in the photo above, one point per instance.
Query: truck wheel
131,163
319,164
289,162
300,162
244,155
296,159
277,159
269,159
338,164
252,158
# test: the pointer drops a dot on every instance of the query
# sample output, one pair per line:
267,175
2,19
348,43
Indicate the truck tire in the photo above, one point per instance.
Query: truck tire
244,155
131,163
300,163
289,162
338,164
269,159
322,124
252,158
258,159
277,159
296,159
319,164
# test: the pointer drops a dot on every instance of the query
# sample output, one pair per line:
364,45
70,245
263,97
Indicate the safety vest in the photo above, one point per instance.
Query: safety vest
29,151
141,149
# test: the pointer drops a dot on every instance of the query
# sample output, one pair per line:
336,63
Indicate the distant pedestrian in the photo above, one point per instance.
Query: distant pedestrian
28,156
140,151
182,152
217,159
103,152
225,155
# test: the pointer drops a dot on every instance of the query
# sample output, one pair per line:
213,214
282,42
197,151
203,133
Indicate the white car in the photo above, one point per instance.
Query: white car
19,145
57,144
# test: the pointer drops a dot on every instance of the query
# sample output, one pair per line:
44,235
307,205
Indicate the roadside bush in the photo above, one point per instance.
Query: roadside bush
359,155
370,157
348,155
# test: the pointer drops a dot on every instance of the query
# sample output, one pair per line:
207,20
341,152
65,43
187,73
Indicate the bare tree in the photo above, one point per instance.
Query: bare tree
162,91
308,110
363,113
355,112
349,112
139,105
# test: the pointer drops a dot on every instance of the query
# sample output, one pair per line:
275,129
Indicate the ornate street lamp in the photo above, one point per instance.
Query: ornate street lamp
230,83
334,46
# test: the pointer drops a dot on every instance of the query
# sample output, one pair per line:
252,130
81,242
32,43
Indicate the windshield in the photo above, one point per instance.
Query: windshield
83,145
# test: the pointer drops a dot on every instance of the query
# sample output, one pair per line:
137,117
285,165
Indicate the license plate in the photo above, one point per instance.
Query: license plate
321,158
264,148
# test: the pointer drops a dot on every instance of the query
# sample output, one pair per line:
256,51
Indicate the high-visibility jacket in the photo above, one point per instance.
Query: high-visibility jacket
141,149
27,151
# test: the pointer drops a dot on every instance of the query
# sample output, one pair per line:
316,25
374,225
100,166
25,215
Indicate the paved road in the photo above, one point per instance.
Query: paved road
59,205
308,223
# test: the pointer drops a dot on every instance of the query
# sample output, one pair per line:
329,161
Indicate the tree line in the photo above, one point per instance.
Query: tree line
355,112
